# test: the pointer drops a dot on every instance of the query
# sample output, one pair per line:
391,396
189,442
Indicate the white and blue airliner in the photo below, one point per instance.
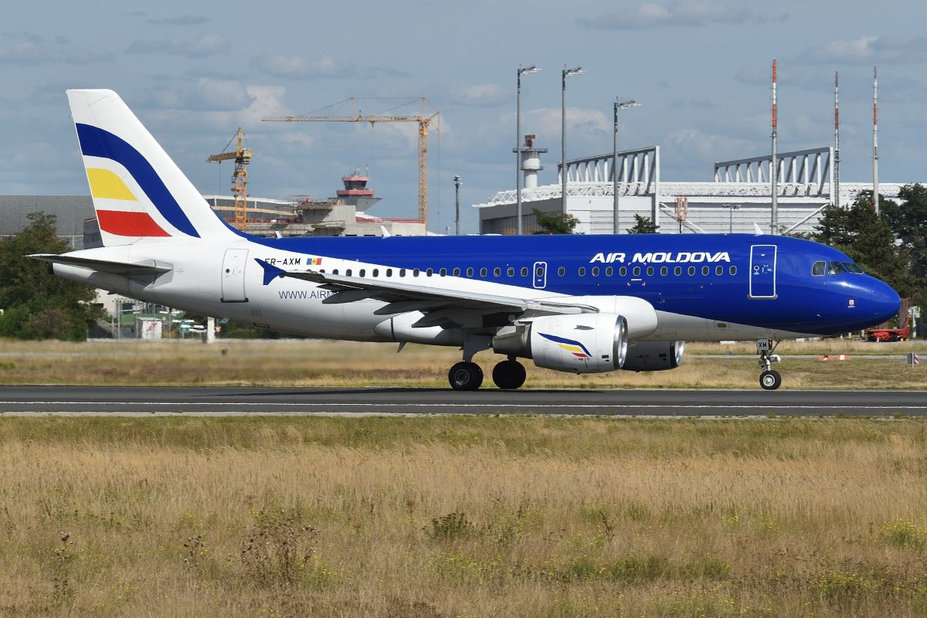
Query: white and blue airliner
579,304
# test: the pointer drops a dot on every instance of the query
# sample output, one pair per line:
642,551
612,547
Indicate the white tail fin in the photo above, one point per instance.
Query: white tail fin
138,191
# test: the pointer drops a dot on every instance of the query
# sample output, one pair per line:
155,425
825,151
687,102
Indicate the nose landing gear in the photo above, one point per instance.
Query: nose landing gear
770,379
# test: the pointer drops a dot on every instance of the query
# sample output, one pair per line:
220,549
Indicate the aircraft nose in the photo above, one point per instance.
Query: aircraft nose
882,301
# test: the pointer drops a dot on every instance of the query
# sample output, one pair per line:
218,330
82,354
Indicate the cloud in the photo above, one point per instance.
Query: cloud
207,45
680,13
487,95
29,49
298,67
180,20
868,49
384,73
22,49
696,145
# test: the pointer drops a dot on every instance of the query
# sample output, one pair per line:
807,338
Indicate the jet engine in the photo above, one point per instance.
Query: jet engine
581,343
654,355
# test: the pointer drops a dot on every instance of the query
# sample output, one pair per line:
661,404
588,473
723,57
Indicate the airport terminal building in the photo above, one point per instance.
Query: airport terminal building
737,198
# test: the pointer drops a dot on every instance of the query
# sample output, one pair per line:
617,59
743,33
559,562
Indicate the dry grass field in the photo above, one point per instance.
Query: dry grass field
473,516
330,363
457,516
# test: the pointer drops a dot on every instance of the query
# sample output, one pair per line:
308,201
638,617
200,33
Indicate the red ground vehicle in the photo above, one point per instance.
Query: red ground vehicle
896,329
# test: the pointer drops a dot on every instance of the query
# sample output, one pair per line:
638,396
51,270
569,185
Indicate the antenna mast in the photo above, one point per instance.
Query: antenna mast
774,172
836,139
875,139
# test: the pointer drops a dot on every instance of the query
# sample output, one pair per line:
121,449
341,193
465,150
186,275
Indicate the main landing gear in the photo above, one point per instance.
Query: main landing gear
770,379
467,375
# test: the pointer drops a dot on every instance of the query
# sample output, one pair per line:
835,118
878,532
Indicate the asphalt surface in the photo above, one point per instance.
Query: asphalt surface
79,400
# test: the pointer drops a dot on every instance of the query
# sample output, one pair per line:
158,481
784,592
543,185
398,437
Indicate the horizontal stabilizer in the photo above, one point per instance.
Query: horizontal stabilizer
271,272
128,269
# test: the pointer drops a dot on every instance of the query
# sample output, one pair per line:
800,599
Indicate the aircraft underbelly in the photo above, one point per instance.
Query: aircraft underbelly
675,326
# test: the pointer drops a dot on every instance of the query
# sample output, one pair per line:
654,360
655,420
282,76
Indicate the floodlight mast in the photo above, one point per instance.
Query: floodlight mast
564,74
615,171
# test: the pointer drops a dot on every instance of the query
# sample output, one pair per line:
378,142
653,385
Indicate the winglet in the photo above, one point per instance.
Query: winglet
271,272
756,229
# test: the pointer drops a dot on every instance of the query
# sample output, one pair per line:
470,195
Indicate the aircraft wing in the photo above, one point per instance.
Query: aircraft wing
409,296
128,269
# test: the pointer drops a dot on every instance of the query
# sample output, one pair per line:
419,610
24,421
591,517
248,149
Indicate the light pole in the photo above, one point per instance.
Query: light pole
730,216
618,105
521,71
564,74
457,205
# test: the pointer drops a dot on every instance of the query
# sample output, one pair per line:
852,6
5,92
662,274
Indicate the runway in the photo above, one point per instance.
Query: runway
229,401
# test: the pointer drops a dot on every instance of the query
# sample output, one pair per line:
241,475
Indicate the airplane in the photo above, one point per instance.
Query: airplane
571,303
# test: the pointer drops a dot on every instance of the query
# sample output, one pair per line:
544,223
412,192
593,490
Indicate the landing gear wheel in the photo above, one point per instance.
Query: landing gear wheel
770,380
465,376
509,374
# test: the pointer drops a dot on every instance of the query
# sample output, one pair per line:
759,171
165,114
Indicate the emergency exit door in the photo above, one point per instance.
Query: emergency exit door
233,276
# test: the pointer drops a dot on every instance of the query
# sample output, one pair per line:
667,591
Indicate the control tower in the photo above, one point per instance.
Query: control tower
530,161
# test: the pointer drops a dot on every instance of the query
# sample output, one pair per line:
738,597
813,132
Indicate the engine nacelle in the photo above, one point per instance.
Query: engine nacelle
654,355
581,343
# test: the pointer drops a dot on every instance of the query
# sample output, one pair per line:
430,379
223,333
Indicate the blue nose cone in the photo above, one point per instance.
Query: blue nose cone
881,301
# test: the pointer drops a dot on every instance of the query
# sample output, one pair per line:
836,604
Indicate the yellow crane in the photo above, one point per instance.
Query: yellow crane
423,119
242,157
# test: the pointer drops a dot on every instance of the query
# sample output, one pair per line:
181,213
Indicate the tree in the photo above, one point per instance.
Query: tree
642,225
866,238
908,222
554,223
36,304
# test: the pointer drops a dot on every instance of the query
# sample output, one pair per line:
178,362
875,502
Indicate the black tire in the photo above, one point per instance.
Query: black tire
465,376
770,380
509,375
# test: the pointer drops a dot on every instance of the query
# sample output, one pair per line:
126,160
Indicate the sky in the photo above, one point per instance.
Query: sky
194,72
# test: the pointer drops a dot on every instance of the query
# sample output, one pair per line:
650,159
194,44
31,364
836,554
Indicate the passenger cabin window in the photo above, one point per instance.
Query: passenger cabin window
818,269
457,272
483,272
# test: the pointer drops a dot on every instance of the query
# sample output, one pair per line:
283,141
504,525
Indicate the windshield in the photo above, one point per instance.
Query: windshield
852,267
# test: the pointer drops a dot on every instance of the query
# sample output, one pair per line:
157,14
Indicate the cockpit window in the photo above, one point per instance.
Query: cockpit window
818,269
853,267
835,268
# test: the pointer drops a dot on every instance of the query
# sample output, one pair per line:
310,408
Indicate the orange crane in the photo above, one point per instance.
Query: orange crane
242,157
423,119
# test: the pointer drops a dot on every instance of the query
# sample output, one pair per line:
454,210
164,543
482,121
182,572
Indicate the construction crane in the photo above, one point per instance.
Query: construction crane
242,157
423,119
